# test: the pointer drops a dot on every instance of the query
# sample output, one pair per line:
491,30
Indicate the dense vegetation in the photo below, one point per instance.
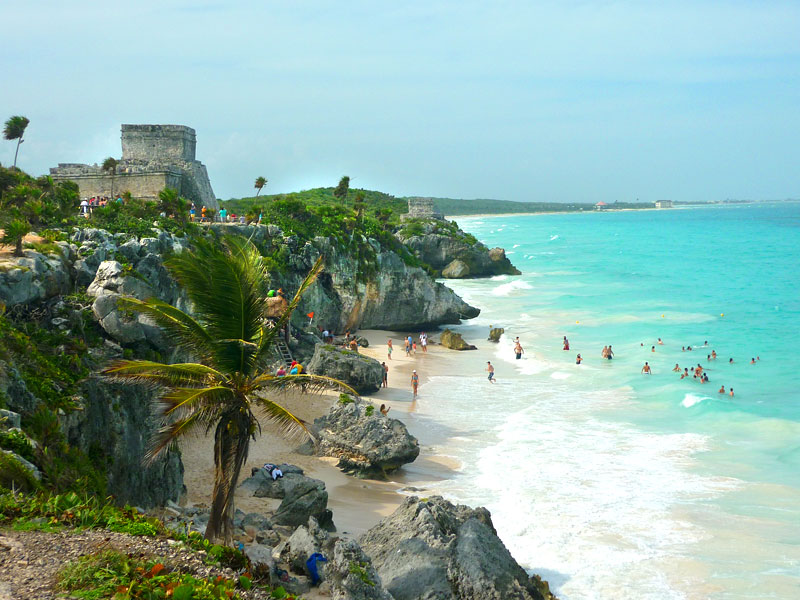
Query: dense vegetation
452,206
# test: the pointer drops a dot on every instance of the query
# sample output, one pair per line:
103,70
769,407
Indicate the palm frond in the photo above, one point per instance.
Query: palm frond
166,438
309,384
214,398
268,334
180,328
290,425
178,374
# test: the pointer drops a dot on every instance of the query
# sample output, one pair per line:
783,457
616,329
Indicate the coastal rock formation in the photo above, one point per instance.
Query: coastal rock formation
454,341
302,497
441,251
432,549
352,575
495,333
362,373
367,443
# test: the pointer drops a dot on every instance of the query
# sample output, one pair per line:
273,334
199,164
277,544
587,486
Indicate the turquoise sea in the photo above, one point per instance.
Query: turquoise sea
611,483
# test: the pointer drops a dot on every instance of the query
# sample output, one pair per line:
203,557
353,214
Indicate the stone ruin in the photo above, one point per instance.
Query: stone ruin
154,157
422,208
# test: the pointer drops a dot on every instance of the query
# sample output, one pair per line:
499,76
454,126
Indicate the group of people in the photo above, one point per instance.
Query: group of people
293,369
88,205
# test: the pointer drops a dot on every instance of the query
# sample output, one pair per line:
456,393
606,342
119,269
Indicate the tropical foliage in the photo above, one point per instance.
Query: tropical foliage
110,167
260,183
233,340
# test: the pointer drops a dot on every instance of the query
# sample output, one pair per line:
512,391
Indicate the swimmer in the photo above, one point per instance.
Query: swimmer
566,343
722,390
688,348
683,348
490,370
704,378
518,351
752,361
714,354
708,357
604,352
646,369
652,348
677,368
610,353
660,343
578,359
731,393
685,373
730,361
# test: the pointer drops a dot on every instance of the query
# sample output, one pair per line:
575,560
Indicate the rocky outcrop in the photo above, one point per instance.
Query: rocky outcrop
432,549
454,341
352,575
367,443
35,277
362,373
495,333
458,255
302,497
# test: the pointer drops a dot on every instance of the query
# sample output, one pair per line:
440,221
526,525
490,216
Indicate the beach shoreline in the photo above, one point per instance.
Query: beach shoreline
357,504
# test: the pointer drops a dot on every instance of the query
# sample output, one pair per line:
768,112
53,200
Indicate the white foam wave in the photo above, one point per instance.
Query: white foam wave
553,237
690,400
560,375
509,288
517,246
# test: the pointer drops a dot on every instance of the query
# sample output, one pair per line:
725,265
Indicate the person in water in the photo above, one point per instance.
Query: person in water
610,353
566,343
604,352
722,390
731,393
677,368
578,359
752,361
730,361
704,378
414,383
660,343
714,355
652,348
646,369
490,370
518,351
685,373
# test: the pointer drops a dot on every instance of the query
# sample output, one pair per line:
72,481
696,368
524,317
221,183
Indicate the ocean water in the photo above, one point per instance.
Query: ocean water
610,483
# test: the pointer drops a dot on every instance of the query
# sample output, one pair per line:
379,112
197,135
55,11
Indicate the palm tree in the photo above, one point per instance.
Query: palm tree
14,232
260,183
341,190
233,340
14,130
110,167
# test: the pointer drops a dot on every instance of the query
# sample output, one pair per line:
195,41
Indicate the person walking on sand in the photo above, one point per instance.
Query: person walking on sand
414,383
490,369
408,346
646,369
385,374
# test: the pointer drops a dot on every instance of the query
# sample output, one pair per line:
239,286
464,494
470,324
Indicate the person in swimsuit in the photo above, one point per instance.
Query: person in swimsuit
714,354
652,348
414,383
566,343
660,343
646,369
518,351
578,359
389,348
408,346
722,390
677,368
385,409
604,352
730,361
490,369
731,393
752,361
423,340
385,374
610,353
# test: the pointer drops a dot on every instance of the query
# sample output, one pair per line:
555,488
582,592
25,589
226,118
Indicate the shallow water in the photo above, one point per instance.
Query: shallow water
611,483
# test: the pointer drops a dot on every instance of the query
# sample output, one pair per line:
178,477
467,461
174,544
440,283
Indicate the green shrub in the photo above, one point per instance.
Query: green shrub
15,476
18,443
345,399
369,410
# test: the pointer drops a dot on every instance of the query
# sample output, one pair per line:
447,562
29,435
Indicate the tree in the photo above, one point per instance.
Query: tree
110,167
341,190
233,340
14,232
14,130
173,205
260,183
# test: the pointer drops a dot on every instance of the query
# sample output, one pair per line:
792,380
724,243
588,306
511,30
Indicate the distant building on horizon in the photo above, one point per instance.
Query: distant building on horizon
154,157
664,204
422,208
601,206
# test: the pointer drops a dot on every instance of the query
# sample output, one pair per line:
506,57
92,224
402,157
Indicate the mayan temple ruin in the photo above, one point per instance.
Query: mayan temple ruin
153,157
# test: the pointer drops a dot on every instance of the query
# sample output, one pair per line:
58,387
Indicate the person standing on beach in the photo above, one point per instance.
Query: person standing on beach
423,340
490,369
385,374
408,346
389,348
414,383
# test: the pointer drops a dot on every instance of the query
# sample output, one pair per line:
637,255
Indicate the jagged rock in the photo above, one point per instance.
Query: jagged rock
457,269
495,333
352,576
260,554
454,341
304,542
260,481
302,496
439,250
367,445
362,373
432,549
33,278
9,419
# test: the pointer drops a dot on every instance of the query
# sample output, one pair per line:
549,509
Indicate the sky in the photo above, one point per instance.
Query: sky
561,101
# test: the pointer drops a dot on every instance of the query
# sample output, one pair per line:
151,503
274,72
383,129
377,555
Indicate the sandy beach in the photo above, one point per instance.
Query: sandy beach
357,504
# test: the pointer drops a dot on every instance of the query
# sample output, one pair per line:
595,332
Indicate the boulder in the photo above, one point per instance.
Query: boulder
351,575
260,481
454,341
441,249
302,497
432,549
10,419
304,542
495,333
367,443
457,269
362,373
